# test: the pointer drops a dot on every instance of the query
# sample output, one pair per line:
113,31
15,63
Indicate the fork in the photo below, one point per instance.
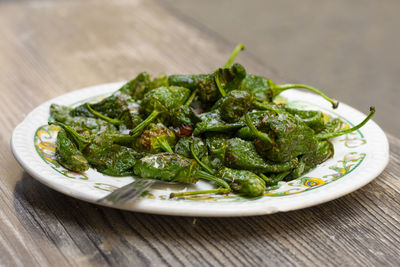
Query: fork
127,193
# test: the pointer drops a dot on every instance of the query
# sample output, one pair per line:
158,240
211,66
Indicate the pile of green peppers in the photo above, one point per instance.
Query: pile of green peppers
223,127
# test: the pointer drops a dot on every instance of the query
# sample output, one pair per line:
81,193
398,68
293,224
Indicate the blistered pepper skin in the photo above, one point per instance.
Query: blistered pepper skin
150,140
168,167
120,100
231,78
291,138
312,118
310,160
243,182
188,81
241,154
183,115
68,155
124,98
83,125
256,85
109,158
182,147
212,122
235,105
165,99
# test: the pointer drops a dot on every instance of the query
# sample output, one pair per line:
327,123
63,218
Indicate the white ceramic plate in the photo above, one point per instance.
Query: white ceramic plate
359,158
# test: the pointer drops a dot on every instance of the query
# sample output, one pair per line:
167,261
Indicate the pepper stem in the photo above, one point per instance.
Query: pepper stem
202,164
346,131
199,192
209,177
128,139
263,136
101,116
279,88
238,48
144,123
265,178
279,177
275,179
230,61
218,82
191,97
165,145
270,107
78,139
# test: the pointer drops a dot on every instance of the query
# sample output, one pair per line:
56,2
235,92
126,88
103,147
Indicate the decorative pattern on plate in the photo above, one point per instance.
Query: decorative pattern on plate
343,167
45,137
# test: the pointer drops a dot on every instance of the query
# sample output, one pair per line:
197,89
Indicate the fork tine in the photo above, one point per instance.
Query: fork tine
127,192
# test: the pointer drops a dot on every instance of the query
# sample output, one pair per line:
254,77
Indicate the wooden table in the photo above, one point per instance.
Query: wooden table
50,48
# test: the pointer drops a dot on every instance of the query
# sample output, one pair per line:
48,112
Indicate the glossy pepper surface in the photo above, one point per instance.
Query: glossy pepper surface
83,125
234,105
241,154
68,155
283,137
168,167
109,158
310,160
124,98
157,138
159,104
182,147
173,167
243,182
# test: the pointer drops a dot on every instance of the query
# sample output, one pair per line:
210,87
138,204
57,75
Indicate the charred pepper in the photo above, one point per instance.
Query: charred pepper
68,155
241,154
173,167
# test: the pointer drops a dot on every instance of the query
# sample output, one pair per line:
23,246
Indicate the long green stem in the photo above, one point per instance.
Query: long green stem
128,139
202,164
346,131
78,139
280,176
144,123
238,48
191,97
165,145
253,129
209,177
218,82
279,88
265,178
225,189
199,192
101,116
270,107
230,61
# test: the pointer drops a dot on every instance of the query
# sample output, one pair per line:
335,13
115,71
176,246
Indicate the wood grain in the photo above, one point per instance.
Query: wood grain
49,48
